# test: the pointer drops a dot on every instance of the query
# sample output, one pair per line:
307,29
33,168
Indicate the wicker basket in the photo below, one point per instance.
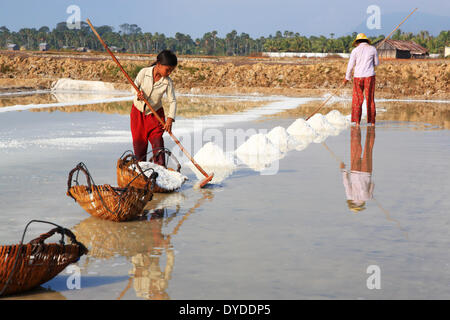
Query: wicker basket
107,202
25,266
139,180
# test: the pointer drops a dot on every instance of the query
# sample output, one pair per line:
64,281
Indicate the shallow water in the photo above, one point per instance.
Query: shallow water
289,235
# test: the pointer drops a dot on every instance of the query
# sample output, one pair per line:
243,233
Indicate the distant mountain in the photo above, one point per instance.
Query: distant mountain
419,21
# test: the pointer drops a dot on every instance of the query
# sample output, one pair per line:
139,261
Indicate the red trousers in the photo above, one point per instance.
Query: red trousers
363,86
145,129
363,163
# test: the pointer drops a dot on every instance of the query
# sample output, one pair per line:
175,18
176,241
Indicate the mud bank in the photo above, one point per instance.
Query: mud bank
426,79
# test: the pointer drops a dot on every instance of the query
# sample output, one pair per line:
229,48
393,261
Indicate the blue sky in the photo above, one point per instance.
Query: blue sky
256,17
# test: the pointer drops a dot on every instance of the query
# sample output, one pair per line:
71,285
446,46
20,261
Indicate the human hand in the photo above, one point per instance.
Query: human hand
342,165
140,96
168,125
344,82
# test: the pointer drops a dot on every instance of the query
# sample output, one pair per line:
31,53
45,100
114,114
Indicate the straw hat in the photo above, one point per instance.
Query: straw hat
356,206
361,36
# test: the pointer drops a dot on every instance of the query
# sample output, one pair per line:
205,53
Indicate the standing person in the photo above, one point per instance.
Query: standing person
358,181
153,82
364,59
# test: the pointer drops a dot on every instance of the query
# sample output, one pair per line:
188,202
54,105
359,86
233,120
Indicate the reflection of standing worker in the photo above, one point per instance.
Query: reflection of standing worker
150,281
363,59
358,182
153,82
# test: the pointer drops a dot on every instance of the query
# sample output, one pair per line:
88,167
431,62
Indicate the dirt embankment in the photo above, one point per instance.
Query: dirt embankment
395,78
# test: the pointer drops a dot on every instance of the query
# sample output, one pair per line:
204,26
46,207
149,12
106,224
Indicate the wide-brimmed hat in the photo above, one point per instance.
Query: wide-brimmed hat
356,206
361,36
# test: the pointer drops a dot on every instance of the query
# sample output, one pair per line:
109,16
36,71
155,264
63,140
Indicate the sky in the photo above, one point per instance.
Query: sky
255,17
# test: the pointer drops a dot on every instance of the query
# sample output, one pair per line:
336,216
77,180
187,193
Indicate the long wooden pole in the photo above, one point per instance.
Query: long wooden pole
208,177
378,45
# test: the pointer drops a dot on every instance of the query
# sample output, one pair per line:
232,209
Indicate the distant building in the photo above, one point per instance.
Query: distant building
447,52
43,46
116,49
304,54
401,49
12,47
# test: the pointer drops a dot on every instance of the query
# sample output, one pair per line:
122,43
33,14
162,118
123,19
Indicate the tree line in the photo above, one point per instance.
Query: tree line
132,39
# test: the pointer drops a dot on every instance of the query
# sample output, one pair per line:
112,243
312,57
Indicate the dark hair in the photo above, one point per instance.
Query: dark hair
166,58
362,40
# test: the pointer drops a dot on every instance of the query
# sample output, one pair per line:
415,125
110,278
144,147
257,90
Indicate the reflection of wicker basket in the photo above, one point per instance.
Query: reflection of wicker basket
25,266
106,202
106,239
125,175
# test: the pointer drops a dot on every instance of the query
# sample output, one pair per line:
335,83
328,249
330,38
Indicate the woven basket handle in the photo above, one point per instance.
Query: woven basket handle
79,167
62,231
169,154
152,180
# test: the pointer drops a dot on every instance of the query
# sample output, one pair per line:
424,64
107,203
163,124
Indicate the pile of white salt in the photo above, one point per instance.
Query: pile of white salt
337,119
212,159
167,179
322,127
258,152
279,138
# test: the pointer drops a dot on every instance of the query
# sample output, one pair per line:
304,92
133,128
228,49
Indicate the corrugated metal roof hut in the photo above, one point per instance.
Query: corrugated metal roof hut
401,49
12,47
43,46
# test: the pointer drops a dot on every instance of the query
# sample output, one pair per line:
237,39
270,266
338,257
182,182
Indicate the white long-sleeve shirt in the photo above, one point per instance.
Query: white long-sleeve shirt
154,92
363,58
358,185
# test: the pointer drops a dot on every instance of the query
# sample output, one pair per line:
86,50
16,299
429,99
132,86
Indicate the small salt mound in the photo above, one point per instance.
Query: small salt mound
298,143
279,138
322,127
212,155
258,144
167,179
301,128
320,123
258,152
337,119
66,84
212,159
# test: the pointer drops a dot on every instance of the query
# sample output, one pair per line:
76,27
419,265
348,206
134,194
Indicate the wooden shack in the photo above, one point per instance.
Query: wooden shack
401,49
43,46
12,47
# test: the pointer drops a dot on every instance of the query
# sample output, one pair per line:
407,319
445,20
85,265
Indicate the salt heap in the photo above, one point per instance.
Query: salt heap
322,127
279,138
301,128
212,159
337,119
67,84
301,135
167,179
258,152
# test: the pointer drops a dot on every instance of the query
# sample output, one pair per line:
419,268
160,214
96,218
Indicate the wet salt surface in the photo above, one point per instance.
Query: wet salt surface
289,235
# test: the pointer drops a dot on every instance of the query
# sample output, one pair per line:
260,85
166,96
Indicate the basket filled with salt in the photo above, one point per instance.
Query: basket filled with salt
107,202
26,266
137,173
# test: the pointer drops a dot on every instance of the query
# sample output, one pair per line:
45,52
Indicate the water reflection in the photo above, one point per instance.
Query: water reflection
358,181
143,243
